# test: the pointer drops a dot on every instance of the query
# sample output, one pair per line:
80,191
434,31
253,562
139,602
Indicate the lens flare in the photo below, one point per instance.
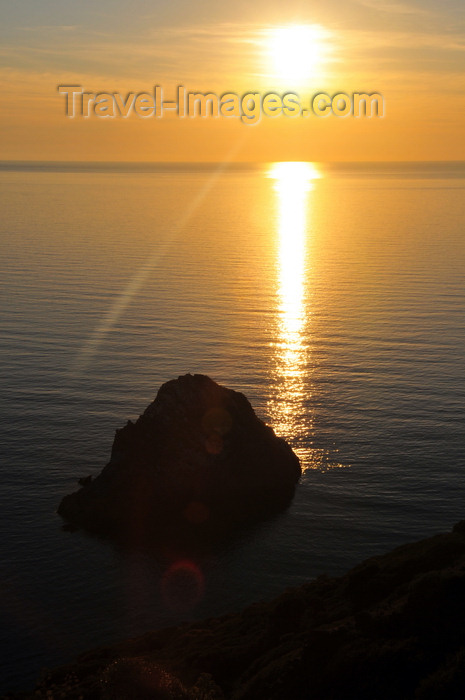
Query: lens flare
182,585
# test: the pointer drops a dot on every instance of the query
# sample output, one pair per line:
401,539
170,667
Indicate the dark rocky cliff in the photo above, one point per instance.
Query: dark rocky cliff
392,628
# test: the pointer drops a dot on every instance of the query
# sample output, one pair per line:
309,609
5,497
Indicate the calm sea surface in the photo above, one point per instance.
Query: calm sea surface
333,297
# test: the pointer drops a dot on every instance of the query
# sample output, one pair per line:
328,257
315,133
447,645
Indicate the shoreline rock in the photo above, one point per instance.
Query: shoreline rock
198,460
392,627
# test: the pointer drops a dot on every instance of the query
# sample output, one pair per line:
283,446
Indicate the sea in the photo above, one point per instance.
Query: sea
331,295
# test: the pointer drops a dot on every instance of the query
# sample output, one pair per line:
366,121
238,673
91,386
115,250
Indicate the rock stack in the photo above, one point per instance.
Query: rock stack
198,458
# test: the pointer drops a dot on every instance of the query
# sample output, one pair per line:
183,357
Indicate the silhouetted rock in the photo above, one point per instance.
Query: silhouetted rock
198,458
393,627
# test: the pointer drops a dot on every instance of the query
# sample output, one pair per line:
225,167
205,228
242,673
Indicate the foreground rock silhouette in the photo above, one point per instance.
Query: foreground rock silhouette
198,459
391,628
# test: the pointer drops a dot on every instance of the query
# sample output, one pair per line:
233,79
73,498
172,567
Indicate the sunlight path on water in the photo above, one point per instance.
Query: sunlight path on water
288,404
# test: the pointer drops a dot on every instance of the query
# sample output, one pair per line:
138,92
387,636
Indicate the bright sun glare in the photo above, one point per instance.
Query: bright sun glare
297,52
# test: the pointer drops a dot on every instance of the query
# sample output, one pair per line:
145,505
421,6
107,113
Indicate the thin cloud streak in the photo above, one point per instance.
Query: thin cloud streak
396,8
51,27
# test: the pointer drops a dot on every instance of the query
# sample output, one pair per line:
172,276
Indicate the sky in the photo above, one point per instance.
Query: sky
412,52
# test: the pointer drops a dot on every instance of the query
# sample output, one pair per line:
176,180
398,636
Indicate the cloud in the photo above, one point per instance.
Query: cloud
397,8
170,53
51,27
226,54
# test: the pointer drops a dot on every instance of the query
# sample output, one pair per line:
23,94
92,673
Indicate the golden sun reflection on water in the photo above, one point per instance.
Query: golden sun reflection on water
293,184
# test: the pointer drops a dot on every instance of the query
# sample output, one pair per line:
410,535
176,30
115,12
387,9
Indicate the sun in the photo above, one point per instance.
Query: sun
297,52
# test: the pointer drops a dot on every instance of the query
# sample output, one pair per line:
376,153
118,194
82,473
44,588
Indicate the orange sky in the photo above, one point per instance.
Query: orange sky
410,52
